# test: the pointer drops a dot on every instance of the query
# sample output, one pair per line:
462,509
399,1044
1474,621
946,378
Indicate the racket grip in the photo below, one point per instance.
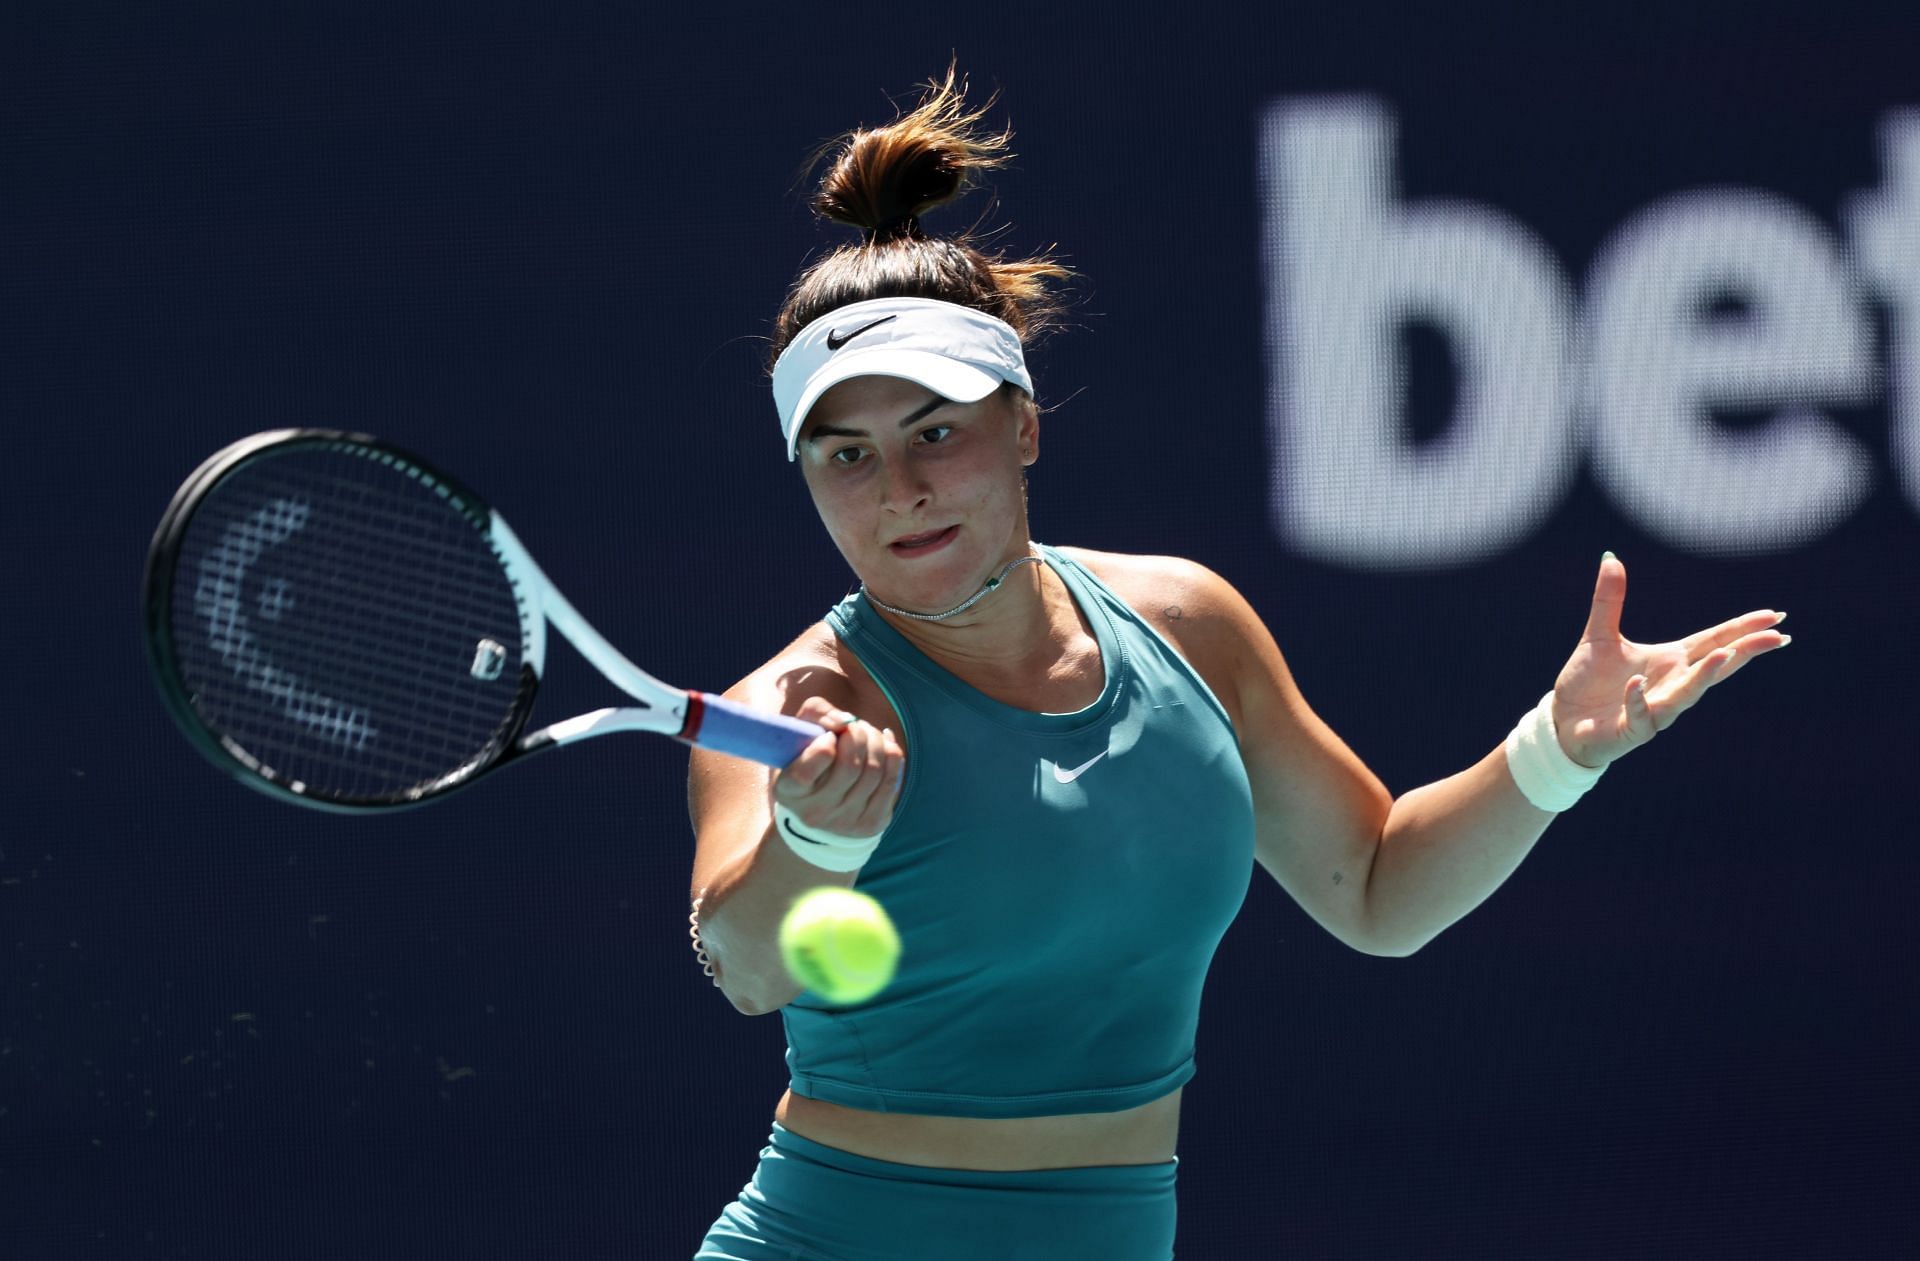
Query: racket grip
714,722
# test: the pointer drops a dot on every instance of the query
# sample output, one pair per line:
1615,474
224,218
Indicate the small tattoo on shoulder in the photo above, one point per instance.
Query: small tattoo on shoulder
1172,611
1338,877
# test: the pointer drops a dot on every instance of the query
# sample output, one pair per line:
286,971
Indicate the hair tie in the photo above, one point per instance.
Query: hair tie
894,228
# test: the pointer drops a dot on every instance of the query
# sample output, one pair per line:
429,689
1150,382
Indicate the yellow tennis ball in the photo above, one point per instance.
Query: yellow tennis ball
839,944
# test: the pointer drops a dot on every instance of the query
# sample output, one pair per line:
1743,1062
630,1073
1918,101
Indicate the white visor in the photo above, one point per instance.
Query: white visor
957,352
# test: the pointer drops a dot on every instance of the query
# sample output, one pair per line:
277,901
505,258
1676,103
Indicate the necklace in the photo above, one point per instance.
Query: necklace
964,605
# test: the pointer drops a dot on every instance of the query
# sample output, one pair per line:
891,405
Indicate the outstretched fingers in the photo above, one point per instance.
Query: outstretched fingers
1746,632
1750,646
1685,691
1609,599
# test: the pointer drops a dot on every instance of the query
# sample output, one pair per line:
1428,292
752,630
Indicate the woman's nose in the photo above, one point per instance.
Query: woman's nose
903,487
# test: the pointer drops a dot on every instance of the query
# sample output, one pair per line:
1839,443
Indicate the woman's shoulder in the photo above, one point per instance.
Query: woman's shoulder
1167,588
1196,610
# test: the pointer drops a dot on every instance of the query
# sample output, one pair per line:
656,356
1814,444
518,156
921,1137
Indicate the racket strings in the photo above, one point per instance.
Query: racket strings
345,728
374,525
348,749
331,618
348,627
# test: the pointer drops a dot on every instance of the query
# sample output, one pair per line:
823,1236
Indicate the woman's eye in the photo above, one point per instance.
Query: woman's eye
846,456
936,433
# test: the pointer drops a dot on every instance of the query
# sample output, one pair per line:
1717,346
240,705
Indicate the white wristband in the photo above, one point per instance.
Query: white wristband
825,850
1550,779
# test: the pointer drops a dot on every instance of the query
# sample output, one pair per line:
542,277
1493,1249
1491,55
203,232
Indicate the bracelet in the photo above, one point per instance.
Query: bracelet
1540,767
826,850
700,947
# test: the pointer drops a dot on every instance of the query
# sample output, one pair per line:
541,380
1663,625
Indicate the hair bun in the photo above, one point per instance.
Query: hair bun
884,179
881,181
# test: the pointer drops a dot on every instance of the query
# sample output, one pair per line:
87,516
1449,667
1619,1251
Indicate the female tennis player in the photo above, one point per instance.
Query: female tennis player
1056,769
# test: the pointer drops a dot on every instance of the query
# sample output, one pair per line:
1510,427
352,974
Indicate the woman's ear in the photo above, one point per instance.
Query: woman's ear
1027,418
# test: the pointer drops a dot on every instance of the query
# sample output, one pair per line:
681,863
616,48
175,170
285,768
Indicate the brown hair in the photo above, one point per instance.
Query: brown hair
881,181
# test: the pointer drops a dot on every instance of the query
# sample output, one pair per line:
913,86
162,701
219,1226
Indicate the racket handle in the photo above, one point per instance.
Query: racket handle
714,722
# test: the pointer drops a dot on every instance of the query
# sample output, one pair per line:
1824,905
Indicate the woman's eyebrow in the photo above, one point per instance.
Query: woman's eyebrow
835,431
933,404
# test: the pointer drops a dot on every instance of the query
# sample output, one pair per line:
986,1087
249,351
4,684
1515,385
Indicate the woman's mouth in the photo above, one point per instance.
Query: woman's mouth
923,544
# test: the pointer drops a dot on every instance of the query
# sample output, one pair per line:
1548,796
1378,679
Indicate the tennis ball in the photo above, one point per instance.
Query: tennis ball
839,944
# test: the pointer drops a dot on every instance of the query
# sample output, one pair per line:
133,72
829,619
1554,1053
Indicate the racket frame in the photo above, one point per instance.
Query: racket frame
691,717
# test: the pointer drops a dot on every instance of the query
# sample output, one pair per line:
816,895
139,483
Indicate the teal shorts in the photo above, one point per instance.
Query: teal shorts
810,1202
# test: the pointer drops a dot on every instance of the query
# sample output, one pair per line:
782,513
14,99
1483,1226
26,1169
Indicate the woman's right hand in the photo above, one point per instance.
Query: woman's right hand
847,781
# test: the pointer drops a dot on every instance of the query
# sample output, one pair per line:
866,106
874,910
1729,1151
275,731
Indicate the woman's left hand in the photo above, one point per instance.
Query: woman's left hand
1614,695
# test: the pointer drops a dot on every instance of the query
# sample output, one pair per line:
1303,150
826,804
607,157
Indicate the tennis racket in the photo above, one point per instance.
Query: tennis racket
339,624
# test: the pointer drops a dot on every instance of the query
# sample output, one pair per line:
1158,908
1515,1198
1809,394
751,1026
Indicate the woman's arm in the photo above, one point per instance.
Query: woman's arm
745,877
1319,812
1387,876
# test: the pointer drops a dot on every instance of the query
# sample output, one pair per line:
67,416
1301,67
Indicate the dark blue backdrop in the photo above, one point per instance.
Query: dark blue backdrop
547,251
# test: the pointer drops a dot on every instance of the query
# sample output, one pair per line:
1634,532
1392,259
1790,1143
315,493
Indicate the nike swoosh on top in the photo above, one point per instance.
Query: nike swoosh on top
836,339
1068,776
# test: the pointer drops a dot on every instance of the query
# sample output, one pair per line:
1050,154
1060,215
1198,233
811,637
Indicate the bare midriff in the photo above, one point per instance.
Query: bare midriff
1138,1136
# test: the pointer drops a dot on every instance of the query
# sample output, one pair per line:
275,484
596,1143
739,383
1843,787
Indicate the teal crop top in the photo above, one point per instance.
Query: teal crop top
1060,883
